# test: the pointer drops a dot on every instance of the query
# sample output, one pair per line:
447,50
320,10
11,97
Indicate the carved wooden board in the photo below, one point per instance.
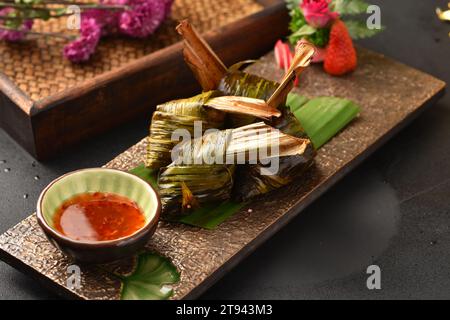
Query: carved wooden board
390,95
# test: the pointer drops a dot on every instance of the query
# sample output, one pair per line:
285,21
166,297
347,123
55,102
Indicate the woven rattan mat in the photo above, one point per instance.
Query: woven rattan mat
39,69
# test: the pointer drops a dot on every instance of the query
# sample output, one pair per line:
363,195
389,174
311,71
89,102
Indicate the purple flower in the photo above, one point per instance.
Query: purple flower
144,17
14,35
141,20
106,19
82,48
317,12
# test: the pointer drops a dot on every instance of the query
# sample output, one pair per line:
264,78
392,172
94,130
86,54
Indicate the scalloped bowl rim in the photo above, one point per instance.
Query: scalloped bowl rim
150,221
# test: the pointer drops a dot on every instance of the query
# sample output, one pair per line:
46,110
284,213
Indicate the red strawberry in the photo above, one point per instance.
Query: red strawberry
340,56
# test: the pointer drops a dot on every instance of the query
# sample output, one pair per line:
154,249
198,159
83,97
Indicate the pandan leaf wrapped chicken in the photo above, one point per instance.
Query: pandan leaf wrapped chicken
186,187
212,74
239,83
178,114
207,109
251,181
203,169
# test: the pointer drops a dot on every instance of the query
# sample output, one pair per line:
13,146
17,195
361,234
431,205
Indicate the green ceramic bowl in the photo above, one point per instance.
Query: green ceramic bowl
99,180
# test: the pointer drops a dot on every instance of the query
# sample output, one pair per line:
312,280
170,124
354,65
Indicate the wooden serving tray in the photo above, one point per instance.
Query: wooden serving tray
390,95
48,104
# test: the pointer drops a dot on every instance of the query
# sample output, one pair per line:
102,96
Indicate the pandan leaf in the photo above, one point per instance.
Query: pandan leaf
359,30
150,279
324,117
209,216
149,175
295,101
349,7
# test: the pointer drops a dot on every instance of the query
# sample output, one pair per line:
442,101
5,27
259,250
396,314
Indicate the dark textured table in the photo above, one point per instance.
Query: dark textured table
393,211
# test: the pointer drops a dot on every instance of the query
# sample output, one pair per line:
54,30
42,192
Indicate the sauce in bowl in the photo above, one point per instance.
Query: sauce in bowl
98,217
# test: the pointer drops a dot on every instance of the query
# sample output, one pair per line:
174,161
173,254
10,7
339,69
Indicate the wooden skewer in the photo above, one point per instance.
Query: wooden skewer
303,55
206,65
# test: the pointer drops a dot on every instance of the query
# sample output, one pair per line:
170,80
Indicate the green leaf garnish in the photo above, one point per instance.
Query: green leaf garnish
305,30
210,215
150,279
359,30
349,7
323,117
149,175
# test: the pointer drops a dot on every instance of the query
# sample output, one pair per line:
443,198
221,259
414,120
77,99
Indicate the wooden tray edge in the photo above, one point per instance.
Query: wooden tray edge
15,94
37,276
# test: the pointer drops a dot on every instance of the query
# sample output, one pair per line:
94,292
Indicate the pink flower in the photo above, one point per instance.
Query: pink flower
82,48
143,19
14,35
317,12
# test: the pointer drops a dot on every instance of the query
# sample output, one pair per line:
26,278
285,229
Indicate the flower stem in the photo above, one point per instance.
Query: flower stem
19,6
80,5
44,34
58,15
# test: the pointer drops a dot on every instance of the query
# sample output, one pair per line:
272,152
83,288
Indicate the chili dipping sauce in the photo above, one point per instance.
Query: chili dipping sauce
98,217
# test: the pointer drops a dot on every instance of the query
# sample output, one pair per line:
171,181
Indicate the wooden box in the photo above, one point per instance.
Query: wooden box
48,104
